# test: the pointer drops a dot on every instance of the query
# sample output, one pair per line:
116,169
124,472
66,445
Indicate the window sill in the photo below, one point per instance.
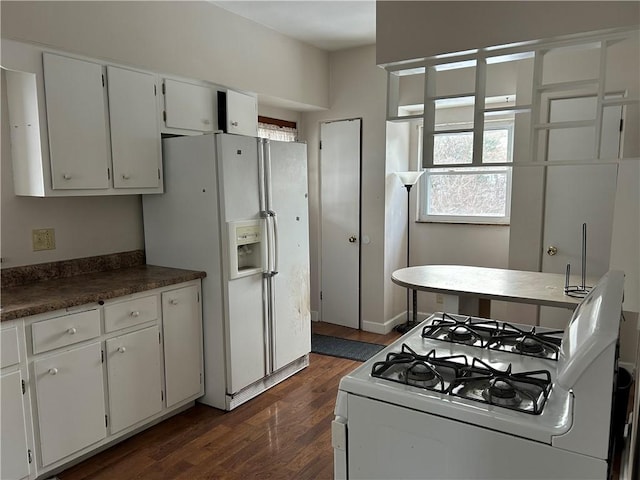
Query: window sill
453,222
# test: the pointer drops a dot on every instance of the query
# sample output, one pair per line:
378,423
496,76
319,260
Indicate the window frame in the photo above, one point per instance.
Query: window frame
472,169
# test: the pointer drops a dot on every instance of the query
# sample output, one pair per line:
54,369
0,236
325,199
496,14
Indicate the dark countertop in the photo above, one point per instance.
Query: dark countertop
55,294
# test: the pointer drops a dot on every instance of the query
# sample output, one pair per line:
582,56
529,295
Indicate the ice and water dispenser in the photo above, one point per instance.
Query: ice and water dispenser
245,248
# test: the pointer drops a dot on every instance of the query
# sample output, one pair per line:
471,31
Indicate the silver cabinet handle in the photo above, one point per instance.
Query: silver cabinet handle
135,314
53,371
126,176
352,239
173,301
122,349
234,124
551,251
66,176
72,331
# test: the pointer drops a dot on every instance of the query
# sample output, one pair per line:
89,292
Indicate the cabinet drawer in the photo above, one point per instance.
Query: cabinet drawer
9,351
62,331
130,313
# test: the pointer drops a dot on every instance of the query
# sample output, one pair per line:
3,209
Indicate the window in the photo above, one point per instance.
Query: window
275,129
469,194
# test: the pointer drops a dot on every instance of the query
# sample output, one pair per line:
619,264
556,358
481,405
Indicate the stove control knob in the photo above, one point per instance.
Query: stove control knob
551,251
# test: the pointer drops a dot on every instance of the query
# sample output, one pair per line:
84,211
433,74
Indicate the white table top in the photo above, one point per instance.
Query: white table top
491,283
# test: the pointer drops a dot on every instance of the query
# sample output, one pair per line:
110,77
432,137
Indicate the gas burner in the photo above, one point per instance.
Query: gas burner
501,392
420,374
461,334
529,345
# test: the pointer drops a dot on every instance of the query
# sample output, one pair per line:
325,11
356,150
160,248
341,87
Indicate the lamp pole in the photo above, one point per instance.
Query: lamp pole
409,179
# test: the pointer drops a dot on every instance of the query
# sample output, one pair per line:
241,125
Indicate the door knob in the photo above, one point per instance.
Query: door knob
352,239
551,251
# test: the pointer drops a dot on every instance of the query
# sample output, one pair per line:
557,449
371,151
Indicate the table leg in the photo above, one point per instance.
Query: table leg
415,307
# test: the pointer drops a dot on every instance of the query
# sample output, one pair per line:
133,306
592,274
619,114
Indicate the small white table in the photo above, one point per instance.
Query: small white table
486,284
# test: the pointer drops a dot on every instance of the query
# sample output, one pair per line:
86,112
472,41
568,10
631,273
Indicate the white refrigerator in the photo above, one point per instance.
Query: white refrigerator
237,208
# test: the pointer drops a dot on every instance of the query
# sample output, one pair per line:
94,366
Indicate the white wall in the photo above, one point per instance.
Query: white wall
398,154
408,30
191,39
358,90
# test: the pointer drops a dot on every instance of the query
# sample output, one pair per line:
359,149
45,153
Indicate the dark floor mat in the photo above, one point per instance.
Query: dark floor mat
343,348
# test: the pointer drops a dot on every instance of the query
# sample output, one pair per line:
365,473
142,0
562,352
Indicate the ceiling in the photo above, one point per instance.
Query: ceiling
327,24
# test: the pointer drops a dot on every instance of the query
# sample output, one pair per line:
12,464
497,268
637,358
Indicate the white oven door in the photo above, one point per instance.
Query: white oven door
390,442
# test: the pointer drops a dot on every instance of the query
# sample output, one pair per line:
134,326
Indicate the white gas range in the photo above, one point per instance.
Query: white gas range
463,397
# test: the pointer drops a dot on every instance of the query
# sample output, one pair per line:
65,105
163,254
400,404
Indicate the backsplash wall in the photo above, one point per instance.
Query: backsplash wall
84,226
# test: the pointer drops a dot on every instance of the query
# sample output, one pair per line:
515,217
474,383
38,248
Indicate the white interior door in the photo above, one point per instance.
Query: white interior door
340,211
576,195
579,194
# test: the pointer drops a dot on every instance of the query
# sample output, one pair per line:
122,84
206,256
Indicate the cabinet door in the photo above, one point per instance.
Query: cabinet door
135,386
76,119
15,451
189,106
242,114
135,136
70,401
182,328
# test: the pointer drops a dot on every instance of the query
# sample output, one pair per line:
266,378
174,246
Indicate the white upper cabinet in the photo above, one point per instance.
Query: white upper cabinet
238,113
80,127
76,118
188,106
135,139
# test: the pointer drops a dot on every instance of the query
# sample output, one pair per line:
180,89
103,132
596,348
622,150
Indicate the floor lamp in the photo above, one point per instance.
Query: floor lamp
409,179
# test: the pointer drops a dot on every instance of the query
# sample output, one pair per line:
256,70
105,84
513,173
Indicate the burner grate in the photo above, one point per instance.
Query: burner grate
407,367
531,343
453,375
525,392
482,333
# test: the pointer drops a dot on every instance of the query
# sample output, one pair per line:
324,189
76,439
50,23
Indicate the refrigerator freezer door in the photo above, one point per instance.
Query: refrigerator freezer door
239,183
245,319
291,325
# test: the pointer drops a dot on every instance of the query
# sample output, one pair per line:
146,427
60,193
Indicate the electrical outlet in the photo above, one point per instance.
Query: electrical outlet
43,239
439,298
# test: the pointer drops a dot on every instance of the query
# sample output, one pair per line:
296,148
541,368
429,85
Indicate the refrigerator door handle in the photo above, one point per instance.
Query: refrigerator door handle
261,176
267,173
271,245
266,319
273,215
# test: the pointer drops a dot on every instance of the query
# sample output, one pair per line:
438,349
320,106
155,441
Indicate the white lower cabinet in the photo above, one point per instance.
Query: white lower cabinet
135,384
15,453
182,329
70,401
72,382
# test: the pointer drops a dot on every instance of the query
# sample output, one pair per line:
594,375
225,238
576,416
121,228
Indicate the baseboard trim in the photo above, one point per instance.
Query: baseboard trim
386,327
315,316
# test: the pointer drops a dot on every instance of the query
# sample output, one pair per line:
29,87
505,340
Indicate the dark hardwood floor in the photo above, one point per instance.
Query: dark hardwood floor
283,433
